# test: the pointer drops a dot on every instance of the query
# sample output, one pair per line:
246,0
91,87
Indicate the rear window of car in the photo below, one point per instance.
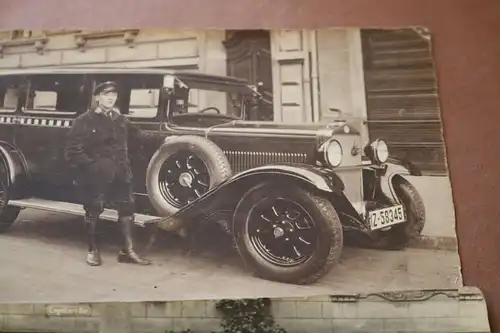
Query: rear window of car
10,92
54,94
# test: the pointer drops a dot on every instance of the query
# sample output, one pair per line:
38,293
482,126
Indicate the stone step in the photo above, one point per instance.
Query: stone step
435,242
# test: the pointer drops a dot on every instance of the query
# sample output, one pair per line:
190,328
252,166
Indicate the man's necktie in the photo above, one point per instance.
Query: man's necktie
109,114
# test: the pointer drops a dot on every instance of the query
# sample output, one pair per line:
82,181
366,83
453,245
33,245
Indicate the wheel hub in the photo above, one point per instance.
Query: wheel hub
278,232
284,229
186,179
183,178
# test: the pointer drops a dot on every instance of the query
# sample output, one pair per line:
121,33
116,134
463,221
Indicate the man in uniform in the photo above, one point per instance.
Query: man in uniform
97,150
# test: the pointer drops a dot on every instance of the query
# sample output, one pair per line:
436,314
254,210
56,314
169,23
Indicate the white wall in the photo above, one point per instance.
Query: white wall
433,311
291,76
314,70
213,61
199,50
340,74
151,47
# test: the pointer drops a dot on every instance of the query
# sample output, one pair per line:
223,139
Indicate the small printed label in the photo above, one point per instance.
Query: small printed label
68,310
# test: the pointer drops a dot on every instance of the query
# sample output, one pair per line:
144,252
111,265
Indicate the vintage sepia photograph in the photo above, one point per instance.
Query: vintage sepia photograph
163,165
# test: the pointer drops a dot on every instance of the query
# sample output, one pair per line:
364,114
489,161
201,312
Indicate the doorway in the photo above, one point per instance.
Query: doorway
249,57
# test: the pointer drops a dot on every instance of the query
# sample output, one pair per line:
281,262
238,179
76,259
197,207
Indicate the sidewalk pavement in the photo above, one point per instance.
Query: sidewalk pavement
439,231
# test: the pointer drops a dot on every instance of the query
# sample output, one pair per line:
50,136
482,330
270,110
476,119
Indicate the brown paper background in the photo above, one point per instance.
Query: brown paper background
466,45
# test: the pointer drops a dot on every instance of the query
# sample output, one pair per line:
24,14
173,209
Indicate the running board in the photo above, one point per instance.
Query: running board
75,209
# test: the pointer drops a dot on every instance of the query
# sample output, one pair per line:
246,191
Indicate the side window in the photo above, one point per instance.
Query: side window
138,95
193,104
187,101
143,102
54,94
236,104
10,92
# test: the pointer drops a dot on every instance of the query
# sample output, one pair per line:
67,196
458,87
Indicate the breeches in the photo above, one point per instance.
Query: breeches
105,182
119,194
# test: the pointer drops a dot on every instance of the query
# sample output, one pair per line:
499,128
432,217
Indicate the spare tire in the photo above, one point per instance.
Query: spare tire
183,169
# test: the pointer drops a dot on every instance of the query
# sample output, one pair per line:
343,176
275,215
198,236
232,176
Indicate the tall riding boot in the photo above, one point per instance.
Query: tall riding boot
93,256
127,254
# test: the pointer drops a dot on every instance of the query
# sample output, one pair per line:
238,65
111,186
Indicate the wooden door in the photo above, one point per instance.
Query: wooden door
249,57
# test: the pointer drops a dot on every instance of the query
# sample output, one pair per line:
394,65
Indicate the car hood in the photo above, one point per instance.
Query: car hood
329,128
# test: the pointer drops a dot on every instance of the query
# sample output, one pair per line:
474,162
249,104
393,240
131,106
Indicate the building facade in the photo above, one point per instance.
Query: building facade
384,77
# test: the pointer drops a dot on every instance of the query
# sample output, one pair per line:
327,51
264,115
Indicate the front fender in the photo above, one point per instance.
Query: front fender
319,178
17,170
226,195
396,168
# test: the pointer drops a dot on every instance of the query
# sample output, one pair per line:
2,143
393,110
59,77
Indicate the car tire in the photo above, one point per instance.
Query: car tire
8,214
329,234
400,235
198,159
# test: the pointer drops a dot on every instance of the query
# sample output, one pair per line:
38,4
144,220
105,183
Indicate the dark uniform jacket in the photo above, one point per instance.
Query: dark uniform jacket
97,147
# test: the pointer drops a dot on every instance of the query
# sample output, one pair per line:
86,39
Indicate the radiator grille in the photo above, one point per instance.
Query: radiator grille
242,160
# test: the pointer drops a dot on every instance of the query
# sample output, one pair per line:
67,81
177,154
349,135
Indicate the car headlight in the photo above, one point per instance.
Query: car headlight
377,151
333,153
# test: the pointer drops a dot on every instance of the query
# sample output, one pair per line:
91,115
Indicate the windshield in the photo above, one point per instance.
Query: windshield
211,103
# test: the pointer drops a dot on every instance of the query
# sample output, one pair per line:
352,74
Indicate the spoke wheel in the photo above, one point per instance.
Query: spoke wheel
183,178
400,235
3,194
282,232
8,214
182,170
285,233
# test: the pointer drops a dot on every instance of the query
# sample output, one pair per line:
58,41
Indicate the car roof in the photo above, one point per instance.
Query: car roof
182,75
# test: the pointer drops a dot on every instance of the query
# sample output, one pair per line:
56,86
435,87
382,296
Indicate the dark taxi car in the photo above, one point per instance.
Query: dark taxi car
286,193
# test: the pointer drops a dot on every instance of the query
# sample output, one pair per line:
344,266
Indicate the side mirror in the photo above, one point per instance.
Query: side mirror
169,82
168,88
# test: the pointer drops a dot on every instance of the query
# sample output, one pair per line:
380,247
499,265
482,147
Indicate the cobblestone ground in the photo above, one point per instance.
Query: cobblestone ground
45,261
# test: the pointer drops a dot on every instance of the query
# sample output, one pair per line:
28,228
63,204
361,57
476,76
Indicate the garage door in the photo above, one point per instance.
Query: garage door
402,101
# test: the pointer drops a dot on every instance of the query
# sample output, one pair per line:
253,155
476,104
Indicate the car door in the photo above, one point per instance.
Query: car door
10,91
52,102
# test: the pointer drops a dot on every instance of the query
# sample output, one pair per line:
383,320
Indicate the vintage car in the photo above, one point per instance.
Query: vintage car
288,194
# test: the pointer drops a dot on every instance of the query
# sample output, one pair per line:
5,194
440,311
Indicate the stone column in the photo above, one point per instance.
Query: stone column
340,74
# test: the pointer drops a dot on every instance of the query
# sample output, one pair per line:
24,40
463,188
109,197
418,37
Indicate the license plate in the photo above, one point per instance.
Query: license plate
385,217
